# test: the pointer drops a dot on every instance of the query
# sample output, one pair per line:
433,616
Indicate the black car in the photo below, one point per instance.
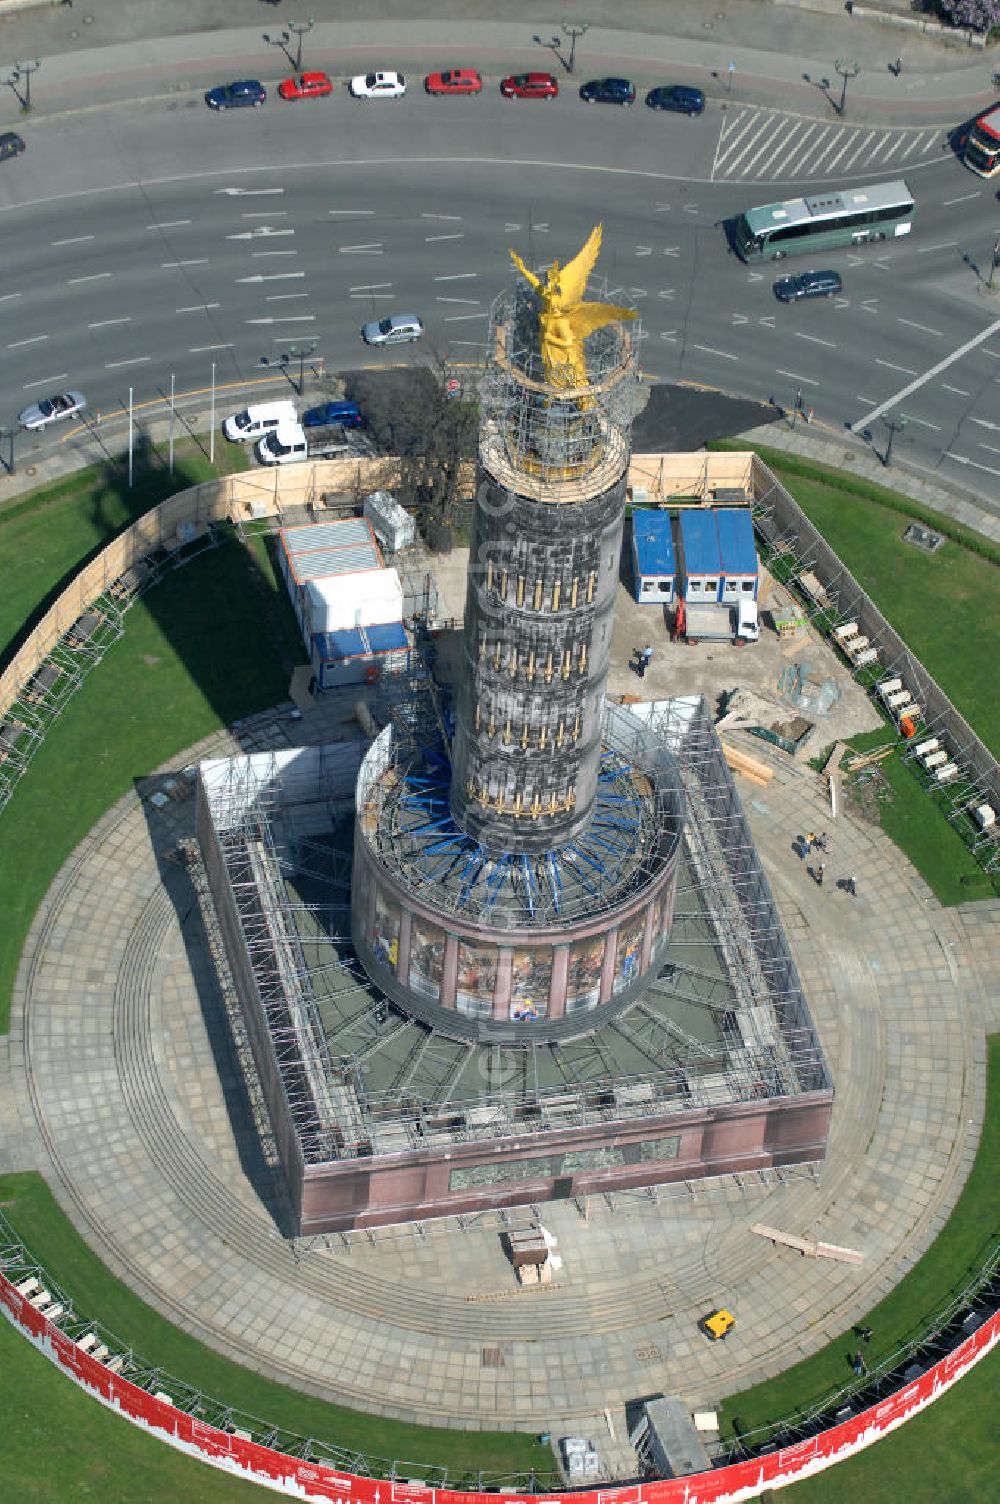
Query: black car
247,92
11,145
608,91
677,97
807,285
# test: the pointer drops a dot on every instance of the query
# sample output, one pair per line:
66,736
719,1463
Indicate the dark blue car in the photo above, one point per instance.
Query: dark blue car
678,97
344,413
241,95
608,91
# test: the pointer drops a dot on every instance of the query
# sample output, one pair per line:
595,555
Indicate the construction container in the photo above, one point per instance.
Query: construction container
654,569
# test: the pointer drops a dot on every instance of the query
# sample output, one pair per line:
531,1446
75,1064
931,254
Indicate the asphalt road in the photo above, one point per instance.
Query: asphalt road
148,240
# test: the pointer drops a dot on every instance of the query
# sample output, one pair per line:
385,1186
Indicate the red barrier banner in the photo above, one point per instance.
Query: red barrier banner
315,1481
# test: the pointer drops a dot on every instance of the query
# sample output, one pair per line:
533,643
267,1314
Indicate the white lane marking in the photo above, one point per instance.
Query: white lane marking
460,318
963,200
19,344
455,235
945,245
271,277
453,218
803,380
991,447
138,360
168,265
198,308
993,354
852,137
288,318
924,328
722,354
369,287
985,423
104,323
868,401
94,277
363,297
169,224
961,459
284,297
458,277
374,246
73,240
261,232
201,349
255,255
891,366
469,302
814,339
958,390
258,214
46,381
468,344
350,211
923,423
244,192
8,295
942,365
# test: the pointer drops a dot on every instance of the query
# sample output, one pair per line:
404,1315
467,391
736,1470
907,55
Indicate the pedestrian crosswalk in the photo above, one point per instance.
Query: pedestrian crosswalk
763,145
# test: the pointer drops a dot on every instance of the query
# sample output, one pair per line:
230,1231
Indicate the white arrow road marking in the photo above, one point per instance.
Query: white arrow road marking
868,305
667,293
510,226
669,334
644,250
661,209
841,302
671,250
740,318
755,276
767,321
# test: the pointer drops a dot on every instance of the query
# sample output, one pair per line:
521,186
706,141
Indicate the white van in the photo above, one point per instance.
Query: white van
255,422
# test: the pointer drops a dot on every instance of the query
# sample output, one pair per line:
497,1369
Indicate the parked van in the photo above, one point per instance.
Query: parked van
255,422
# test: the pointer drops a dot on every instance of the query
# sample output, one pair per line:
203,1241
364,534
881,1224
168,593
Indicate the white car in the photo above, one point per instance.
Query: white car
378,86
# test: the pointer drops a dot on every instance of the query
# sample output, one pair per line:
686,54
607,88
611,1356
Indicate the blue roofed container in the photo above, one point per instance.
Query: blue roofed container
358,655
701,564
740,574
654,570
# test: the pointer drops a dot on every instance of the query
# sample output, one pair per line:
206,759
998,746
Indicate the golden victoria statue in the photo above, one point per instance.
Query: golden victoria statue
565,319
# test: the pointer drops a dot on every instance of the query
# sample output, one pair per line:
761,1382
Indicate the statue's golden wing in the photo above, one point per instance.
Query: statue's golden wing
529,276
573,276
586,317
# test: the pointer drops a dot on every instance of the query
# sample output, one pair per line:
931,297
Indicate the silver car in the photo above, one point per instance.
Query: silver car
397,330
52,409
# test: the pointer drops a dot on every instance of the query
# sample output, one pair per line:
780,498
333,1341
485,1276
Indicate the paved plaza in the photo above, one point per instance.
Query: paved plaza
124,1091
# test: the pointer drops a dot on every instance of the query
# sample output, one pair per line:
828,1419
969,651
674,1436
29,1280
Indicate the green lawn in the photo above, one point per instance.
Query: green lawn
45,537
30,1207
961,1247
945,605
59,1444
207,645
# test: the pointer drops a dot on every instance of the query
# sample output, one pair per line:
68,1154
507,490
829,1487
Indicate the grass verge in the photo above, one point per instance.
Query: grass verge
29,1206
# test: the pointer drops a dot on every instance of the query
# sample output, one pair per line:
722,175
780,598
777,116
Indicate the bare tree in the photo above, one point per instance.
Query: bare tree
422,415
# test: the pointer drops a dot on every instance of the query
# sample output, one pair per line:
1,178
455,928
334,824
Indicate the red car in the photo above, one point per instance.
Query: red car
454,81
529,86
305,86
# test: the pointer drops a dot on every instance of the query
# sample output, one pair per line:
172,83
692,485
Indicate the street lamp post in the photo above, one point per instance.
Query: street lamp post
25,70
300,29
573,29
994,263
846,70
301,353
8,462
894,425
